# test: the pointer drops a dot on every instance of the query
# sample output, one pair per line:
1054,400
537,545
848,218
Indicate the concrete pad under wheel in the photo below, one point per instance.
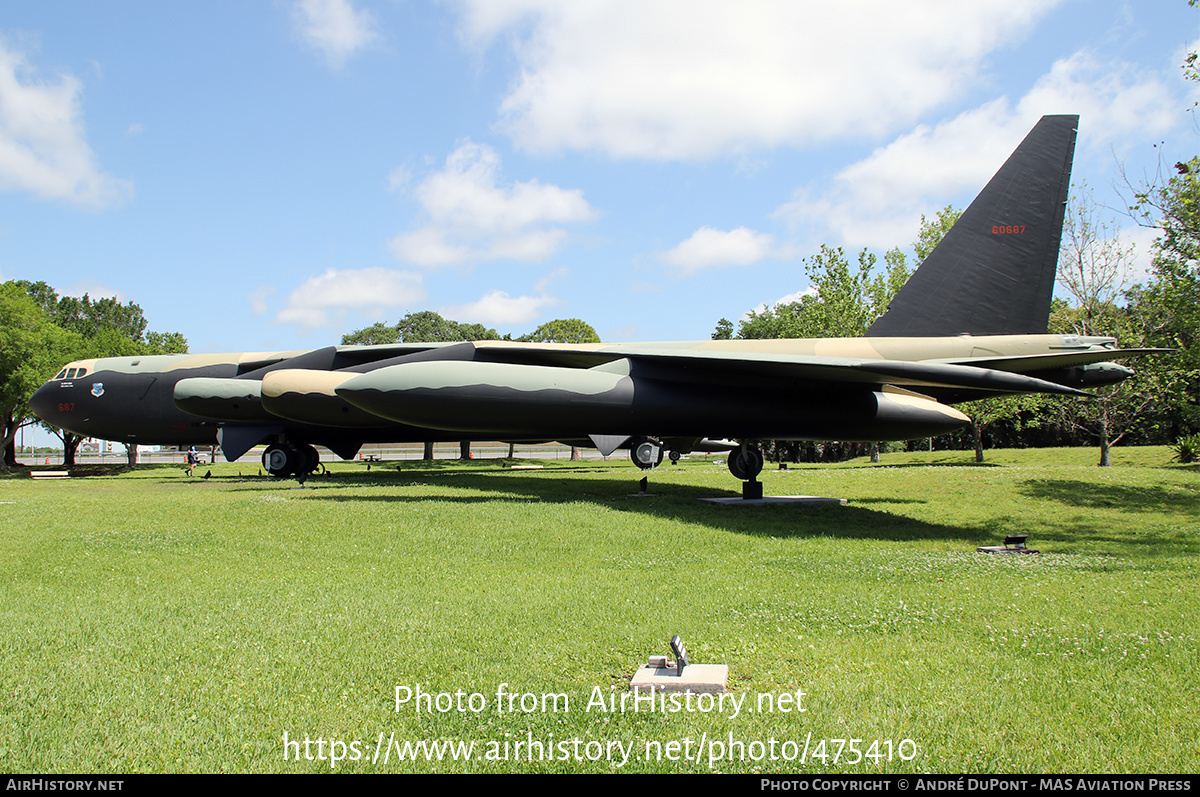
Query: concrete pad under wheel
776,499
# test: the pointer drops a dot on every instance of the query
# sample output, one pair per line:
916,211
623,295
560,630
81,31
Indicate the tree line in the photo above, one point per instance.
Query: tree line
40,330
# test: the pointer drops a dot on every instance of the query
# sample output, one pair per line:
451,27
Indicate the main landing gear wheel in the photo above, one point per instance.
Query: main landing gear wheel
281,461
289,459
745,463
311,458
646,453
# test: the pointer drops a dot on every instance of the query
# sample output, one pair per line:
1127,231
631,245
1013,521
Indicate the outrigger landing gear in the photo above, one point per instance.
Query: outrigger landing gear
646,452
745,463
290,459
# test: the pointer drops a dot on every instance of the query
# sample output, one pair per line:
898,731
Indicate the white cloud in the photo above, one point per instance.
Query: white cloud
1143,240
541,285
258,298
324,300
472,217
878,201
399,178
42,144
498,308
712,248
334,28
688,79
1114,100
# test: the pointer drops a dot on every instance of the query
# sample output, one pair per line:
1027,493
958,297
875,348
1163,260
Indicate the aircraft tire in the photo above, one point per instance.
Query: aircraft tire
745,463
311,459
646,453
280,461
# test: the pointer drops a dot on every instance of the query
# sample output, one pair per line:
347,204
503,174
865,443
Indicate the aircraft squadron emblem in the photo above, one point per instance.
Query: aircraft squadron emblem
97,389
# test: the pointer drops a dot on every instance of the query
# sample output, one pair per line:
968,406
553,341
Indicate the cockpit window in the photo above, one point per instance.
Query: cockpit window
71,372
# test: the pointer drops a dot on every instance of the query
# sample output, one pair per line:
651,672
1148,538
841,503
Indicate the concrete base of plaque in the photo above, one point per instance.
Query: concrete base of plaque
1002,549
696,678
1013,543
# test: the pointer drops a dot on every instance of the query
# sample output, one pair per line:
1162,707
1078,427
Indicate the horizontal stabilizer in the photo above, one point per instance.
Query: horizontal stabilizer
963,376
1037,362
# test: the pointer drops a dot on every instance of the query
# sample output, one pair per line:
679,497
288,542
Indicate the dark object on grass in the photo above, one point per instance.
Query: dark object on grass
1013,543
681,656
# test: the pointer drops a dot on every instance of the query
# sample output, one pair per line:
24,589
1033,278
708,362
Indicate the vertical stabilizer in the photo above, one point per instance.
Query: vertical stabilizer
993,273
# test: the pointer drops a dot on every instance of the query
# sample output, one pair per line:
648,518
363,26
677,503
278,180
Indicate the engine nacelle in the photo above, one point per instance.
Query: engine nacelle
221,399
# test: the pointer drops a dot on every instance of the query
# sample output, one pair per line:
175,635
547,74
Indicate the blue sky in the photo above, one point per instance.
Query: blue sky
272,175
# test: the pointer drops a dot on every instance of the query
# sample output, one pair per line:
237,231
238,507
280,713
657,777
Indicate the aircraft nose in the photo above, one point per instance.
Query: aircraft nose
44,403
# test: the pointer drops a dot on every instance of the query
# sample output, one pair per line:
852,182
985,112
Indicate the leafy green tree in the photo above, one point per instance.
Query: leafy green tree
32,348
845,300
1093,269
425,326
165,343
933,230
724,330
1169,306
563,330
1170,303
373,335
89,318
101,328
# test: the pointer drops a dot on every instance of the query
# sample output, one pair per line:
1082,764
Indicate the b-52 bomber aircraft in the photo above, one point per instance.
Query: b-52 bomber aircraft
970,323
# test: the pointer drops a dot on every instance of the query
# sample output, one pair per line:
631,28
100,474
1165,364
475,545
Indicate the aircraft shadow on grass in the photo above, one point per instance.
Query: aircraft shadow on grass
865,518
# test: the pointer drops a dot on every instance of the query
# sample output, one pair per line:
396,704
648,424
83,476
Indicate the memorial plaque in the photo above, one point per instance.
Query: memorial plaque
681,657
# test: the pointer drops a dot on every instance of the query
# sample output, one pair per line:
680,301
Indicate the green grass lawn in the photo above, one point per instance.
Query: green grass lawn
156,622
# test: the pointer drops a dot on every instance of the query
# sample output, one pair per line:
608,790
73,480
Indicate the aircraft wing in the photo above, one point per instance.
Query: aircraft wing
681,364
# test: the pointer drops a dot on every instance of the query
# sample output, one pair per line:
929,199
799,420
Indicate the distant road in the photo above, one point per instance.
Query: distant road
368,453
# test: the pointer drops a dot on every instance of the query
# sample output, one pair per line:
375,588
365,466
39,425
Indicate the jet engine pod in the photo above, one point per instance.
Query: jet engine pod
497,398
306,396
221,399
901,415
1091,375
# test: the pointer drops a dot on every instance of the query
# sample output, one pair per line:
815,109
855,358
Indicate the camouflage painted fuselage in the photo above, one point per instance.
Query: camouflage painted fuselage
786,389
